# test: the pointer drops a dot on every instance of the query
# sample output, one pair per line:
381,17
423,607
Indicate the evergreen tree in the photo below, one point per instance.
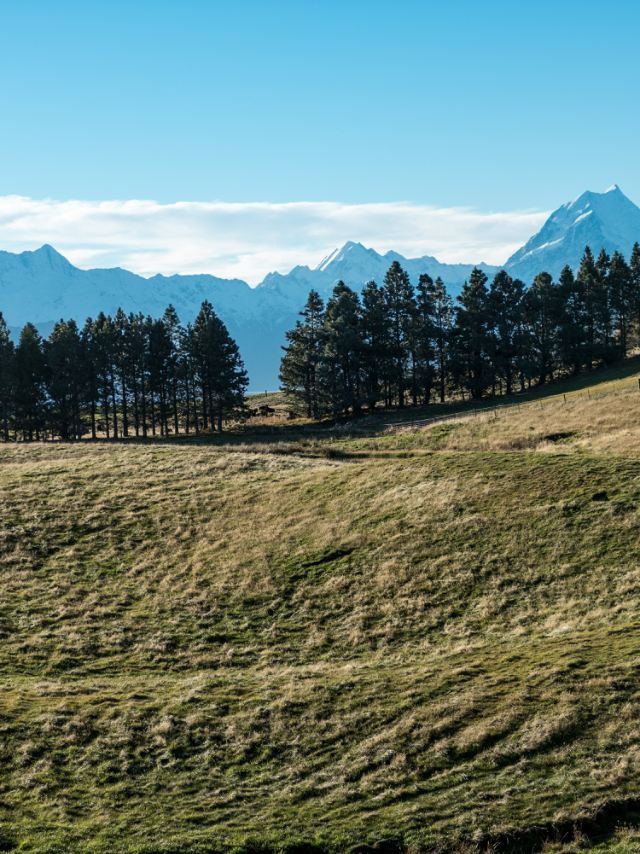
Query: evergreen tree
30,390
219,369
572,321
473,337
231,381
400,312
542,308
104,353
65,379
90,371
421,341
340,364
135,354
175,337
121,357
302,355
7,379
621,298
441,321
605,347
375,349
634,284
588,282
505,306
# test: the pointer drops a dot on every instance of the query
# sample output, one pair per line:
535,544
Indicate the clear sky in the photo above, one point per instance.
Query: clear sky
499,106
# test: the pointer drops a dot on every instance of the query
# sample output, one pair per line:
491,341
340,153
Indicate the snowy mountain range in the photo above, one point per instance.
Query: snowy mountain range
42,286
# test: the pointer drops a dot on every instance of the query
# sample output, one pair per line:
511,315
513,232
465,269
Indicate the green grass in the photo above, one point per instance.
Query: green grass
427,638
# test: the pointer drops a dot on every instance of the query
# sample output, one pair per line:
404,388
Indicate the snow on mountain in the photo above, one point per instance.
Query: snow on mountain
606,220
43,286
355,265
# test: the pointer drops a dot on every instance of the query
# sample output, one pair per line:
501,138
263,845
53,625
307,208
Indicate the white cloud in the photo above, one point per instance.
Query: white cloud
248,240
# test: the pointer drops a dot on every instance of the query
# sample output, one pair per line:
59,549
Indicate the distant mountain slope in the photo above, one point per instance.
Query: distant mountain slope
42,286
606,220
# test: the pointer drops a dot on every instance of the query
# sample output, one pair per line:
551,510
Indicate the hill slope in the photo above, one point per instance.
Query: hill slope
428,637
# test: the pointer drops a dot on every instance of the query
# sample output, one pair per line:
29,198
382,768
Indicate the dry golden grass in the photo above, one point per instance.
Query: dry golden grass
603,420
427,637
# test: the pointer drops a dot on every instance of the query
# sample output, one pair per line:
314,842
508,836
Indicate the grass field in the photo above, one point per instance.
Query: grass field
421,638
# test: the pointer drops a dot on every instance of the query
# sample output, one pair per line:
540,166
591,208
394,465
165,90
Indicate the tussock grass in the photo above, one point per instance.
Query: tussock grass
428,637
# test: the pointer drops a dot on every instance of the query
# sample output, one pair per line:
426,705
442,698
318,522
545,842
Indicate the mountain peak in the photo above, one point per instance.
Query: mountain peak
45,256
612,195
350,251
607,220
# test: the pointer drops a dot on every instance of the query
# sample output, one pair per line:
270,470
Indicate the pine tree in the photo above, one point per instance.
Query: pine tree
160,353
7,378
542,307
90,372
30,390
472,334
231,381
605,347
65,379
219,369
175,335
634,285
121,357
302,355
135,354
375,349
505,306
572,321
423,335
104,354
619,286
441,323
400,311
589,285
340,364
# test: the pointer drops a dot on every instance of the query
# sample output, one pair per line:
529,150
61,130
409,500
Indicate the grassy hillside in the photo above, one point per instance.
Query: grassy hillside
416,638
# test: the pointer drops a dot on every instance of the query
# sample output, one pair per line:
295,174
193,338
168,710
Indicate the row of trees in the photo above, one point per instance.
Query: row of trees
396,343
120,376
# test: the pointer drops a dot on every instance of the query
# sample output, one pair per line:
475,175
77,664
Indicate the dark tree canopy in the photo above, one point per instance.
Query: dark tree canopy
397,343
120,376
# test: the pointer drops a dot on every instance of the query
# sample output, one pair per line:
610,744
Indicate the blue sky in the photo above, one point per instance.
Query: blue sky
498,106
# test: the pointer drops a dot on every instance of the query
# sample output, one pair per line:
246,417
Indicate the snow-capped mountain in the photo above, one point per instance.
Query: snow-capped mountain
42,286
356,265
606,220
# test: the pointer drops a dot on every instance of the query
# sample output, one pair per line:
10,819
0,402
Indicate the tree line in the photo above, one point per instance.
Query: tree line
119,376
395,344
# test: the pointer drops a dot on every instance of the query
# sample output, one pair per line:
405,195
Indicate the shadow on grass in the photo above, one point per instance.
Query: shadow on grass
601,826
